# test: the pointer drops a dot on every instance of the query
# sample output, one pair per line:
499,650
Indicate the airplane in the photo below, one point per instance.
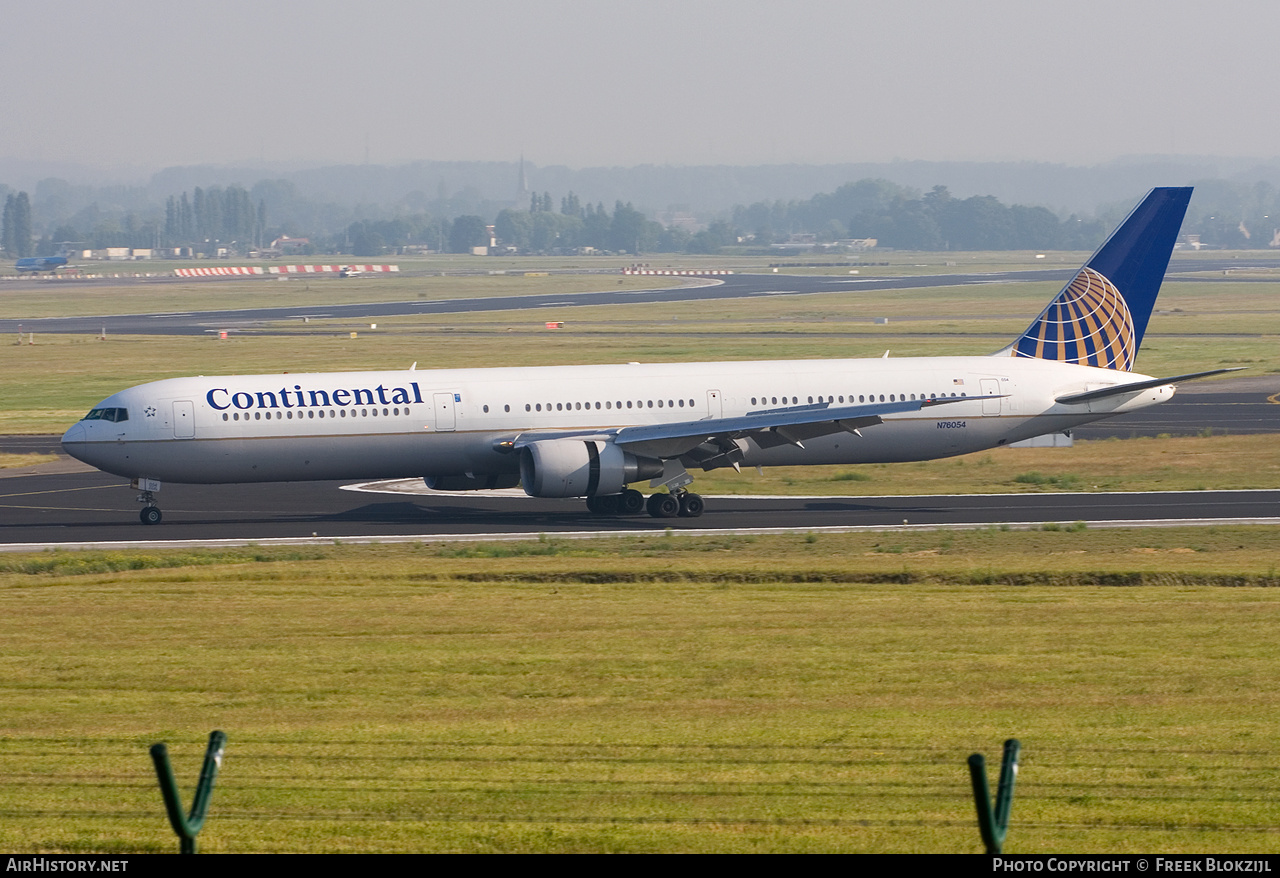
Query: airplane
593,431
37,264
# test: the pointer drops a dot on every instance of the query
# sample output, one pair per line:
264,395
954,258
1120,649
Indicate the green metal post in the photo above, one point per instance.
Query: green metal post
994,826
188,827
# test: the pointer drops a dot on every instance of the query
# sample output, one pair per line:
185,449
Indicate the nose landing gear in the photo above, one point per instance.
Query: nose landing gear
146,488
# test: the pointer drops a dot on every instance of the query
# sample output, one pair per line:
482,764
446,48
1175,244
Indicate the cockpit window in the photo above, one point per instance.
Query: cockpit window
108,414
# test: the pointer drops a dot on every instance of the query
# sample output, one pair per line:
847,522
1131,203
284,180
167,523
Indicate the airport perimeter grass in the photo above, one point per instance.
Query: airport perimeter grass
661,693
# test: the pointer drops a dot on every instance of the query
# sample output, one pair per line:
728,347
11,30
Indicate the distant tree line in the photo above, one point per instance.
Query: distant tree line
15,227
215,215
542,230
1223,214
903,219
625,230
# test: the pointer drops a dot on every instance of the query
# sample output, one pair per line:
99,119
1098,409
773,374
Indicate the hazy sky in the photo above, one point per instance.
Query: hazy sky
153,84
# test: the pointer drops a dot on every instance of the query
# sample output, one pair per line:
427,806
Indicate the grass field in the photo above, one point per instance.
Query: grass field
795,693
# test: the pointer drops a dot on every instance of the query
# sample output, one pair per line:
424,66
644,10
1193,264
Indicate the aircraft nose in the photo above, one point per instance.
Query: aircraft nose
74,436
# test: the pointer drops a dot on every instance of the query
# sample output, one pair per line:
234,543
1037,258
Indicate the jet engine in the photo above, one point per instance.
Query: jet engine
581,468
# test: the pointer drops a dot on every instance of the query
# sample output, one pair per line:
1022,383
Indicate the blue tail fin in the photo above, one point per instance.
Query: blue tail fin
1100,317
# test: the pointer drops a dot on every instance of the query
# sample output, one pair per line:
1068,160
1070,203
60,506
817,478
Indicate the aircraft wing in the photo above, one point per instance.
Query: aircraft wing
712,442
768,428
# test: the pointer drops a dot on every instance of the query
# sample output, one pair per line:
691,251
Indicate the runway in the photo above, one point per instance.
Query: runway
70,505
731,287
89,508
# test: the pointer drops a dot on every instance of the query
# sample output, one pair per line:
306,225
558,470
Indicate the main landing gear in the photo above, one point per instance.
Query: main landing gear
680,502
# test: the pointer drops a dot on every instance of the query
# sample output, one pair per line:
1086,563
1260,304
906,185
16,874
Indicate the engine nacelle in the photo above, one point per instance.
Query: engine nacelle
472,483
581,468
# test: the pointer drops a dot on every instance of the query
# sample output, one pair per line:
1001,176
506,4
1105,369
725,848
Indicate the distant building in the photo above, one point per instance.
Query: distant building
286,245
675,218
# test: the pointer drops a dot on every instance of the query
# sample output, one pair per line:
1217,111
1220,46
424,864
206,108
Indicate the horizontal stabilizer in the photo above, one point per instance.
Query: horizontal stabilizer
1118,389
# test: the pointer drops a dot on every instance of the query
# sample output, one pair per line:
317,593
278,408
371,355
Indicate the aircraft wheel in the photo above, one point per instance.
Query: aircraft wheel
691,505
663,506
593,505
630,502
150,515
608,504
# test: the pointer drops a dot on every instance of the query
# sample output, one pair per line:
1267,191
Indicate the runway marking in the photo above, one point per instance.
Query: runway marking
417,488
602,534
1273,400
60,508
58,491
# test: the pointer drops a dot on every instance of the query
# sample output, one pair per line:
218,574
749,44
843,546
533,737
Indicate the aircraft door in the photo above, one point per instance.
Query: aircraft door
990,387
715,404
184,419
445,412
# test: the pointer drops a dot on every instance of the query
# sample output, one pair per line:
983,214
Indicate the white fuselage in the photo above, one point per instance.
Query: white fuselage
349,425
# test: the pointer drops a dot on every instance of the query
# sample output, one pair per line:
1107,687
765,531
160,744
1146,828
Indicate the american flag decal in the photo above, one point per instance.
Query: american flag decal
1088,323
